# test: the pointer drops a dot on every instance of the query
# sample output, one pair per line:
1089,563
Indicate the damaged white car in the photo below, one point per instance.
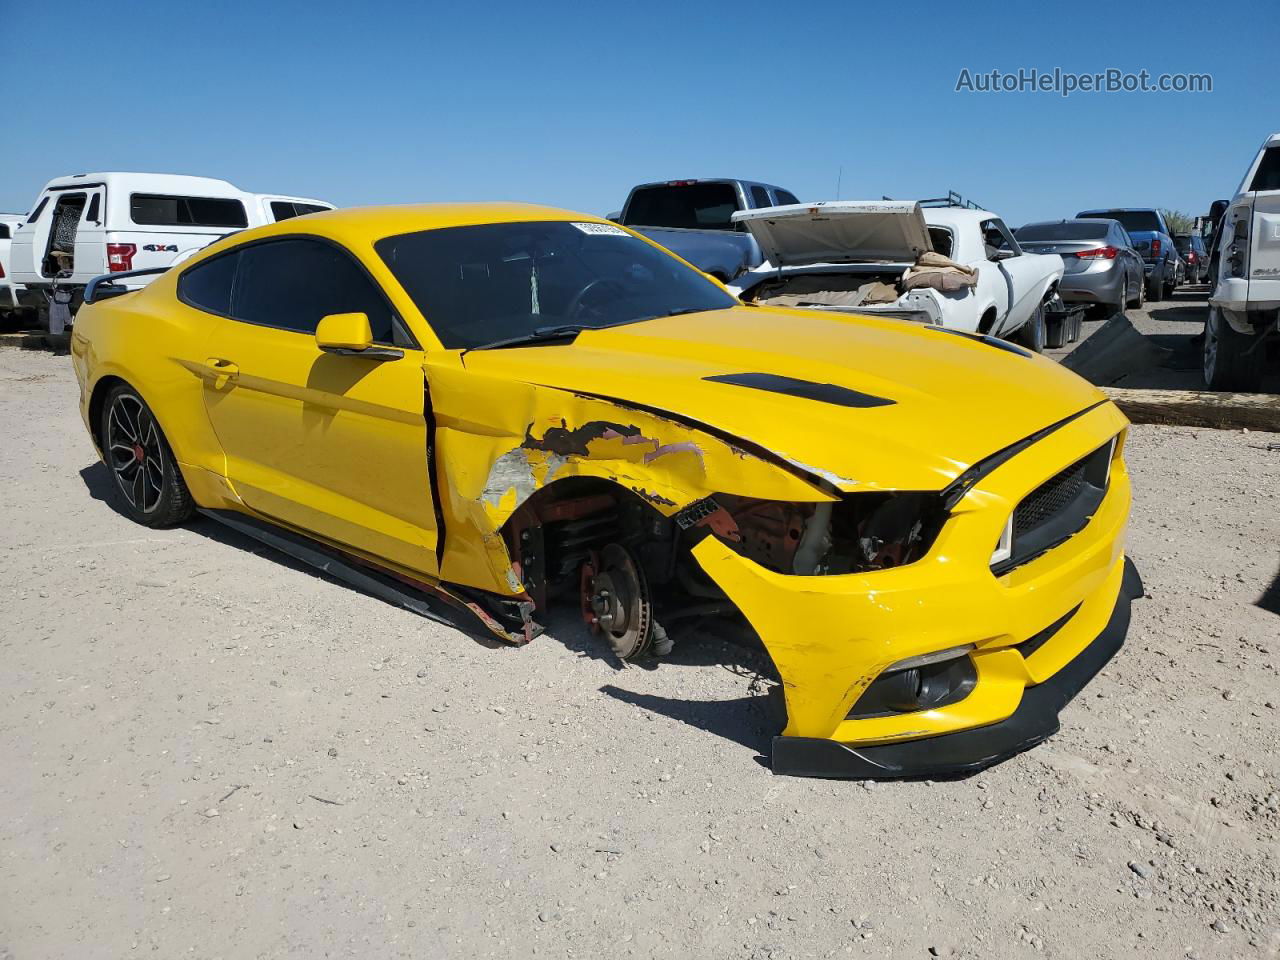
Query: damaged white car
954,267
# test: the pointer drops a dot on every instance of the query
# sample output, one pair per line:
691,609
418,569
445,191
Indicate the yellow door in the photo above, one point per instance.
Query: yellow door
328,443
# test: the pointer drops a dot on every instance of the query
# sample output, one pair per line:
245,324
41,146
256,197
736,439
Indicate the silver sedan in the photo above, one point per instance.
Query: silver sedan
1101,267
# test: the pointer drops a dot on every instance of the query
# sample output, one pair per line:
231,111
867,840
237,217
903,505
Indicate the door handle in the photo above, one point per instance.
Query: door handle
223,371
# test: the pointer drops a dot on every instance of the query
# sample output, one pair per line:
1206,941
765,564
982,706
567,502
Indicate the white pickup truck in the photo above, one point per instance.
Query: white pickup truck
1244,308
8,289
83,226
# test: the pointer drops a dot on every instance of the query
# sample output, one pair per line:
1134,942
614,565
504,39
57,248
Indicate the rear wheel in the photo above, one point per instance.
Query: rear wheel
1140,300
146,478
1155,289
1232,360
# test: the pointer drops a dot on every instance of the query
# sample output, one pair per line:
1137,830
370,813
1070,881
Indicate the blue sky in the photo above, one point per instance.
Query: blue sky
571,104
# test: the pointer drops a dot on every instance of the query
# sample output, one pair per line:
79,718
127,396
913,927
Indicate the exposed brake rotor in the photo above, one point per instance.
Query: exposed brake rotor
616,602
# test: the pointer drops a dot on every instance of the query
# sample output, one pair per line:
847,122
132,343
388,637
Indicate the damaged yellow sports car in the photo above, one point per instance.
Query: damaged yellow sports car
491,405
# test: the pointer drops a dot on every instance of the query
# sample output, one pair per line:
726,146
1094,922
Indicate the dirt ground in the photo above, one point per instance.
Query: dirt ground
209,751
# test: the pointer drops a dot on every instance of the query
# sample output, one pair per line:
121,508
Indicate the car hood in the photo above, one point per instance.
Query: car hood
861,402
839,231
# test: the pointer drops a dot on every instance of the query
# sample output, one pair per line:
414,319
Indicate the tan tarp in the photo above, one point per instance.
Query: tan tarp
940,273
816,291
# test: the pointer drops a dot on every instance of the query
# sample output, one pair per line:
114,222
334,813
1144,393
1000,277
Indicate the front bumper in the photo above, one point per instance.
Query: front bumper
1035,720
832,637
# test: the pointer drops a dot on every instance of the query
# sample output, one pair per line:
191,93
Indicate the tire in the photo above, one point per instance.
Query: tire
1032,334
1155,290
1141,300
1231,360
145,478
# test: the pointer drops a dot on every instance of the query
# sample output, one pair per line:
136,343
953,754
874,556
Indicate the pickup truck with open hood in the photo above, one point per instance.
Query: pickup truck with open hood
957,268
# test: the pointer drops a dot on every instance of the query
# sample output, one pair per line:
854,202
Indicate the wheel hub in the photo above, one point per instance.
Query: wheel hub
615,601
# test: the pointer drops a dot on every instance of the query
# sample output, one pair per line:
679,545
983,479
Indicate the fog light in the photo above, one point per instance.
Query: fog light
919,683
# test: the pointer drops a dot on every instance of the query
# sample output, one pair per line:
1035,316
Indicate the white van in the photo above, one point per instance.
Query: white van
94,223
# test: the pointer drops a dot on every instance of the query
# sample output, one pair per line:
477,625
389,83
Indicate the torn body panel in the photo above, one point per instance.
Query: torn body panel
501,441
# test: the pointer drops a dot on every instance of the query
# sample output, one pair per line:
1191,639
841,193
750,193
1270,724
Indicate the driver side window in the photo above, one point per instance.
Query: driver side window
292,284
289,284
997,241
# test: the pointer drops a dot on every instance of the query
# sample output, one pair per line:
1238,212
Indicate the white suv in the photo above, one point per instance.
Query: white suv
1244,309
94,223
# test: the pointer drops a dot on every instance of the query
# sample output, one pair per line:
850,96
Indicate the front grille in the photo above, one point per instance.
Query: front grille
1059,508
1049,499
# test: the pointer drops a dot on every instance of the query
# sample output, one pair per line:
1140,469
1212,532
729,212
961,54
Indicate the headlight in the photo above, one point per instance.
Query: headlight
856,533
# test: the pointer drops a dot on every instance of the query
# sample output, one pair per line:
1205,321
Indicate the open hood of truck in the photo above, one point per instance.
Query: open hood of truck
839,231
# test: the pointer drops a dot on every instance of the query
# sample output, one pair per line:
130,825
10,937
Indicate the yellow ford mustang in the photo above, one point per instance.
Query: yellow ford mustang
483,403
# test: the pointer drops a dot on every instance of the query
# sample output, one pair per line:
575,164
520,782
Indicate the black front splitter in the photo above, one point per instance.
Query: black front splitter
967,751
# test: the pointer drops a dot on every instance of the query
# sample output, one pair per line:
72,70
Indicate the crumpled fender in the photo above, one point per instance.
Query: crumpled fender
499,441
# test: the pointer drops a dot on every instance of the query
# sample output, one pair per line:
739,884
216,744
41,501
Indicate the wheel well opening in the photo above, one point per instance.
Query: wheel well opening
988,320
96,400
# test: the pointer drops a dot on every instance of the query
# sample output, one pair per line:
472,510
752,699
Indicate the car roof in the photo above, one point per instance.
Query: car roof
687,180
955,216
370,224
1083,213
293,199
1053,223
169,182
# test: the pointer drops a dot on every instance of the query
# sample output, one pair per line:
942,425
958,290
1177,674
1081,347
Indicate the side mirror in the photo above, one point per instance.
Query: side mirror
1004,254
348,334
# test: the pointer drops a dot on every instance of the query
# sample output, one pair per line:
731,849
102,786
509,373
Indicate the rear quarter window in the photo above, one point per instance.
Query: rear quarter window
162,210
207,286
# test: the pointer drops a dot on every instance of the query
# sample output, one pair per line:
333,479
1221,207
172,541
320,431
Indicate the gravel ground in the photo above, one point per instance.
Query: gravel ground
211,752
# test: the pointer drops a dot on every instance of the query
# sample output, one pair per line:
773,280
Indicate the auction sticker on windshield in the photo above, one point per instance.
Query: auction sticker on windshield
601,229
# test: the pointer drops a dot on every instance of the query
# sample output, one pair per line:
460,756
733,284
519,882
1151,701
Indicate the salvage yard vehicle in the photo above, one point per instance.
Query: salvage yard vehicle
9,303
1101,268
490,405
94,223
890,258
1244,307
1191,249
693,219
1151,237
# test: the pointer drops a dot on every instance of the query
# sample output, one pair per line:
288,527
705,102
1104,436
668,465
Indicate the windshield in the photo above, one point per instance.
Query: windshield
1066,230
1135,221
483,284
693,205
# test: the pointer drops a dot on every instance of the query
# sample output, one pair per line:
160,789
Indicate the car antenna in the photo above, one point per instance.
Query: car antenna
839,177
